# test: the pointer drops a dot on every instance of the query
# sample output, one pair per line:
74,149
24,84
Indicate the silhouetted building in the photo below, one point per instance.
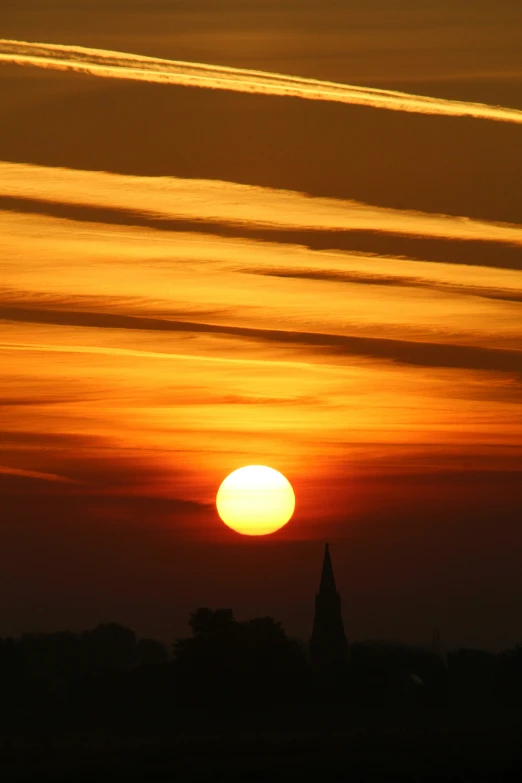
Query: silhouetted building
328,645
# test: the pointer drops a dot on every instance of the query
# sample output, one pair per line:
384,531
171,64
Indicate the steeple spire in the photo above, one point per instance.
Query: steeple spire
328,645
327,584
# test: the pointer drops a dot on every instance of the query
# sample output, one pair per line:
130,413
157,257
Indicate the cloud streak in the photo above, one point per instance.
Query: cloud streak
120,65
472,252
332,276
36,474
416,353
117,198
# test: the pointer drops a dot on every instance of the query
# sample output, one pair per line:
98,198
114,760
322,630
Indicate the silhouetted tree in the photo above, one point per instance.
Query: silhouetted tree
108,647
386,673
106,678
240,661
54,656
472,676
13,682
151,653
208,623
509,676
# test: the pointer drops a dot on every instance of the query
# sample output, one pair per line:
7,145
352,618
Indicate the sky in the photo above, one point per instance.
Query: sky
284,233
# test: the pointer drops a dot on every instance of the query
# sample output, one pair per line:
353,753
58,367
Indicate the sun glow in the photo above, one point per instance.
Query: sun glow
255,500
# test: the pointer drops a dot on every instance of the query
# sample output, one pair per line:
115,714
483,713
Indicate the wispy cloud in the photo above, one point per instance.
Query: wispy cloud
214,201
36,474
120,65
367,278
472,252
419,353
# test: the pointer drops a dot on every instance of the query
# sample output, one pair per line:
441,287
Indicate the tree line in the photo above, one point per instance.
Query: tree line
108,677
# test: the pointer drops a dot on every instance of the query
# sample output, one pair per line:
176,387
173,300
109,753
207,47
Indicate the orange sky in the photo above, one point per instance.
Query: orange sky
195,279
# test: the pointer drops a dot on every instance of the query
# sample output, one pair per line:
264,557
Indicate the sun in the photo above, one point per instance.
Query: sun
255,500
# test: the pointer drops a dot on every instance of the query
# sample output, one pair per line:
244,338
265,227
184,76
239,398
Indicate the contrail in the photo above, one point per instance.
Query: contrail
120,65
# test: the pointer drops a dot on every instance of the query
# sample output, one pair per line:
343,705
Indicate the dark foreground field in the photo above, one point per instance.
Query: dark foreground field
370,745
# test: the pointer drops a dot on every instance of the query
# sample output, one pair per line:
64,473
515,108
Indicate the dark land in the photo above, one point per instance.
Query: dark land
243,701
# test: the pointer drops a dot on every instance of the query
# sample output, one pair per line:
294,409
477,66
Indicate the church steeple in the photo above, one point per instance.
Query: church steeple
328,645
327,584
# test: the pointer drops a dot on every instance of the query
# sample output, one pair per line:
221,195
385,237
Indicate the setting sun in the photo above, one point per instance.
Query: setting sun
255,500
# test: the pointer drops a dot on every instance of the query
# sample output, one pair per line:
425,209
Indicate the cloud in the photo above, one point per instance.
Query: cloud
36,474
78,194
502,253
43,502
120,65
358,278
88,470
417,353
